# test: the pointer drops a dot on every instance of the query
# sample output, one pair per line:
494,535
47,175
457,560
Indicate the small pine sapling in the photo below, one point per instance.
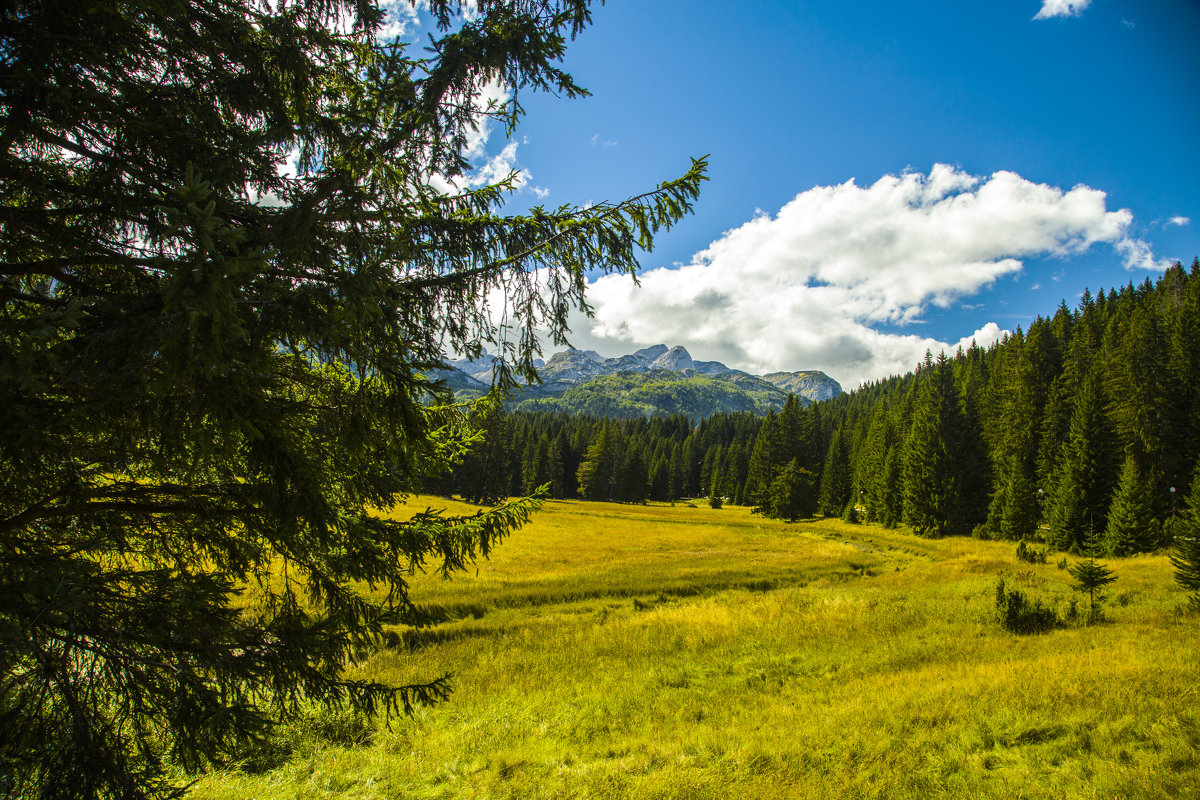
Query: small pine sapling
1091,576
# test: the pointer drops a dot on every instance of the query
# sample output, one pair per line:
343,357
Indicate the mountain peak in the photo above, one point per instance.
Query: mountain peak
650,353
676,358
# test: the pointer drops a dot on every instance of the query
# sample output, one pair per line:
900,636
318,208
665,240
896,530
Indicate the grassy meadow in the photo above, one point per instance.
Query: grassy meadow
609,651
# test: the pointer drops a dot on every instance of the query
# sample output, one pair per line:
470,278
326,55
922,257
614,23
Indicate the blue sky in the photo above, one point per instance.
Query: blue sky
885,177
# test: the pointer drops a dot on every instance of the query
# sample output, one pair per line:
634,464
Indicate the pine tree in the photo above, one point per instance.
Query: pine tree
1186,558
634,476
1131,524
890,490
835,477
877,470
792,493
533,464
1138,387
556,466
932,484
1091,576
215,368
485,474
599,471
1014,510
1081,491
764,461
968,449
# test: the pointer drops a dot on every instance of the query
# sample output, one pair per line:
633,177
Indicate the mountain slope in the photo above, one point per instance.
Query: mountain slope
652,381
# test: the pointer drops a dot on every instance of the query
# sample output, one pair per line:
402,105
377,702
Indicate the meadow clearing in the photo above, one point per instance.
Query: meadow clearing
611,651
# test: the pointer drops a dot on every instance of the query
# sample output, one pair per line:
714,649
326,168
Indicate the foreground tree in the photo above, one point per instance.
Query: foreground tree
212,369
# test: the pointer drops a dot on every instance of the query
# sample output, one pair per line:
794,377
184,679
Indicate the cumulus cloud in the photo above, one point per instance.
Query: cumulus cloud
1179,221
836,279
1062,8
487,167
400,19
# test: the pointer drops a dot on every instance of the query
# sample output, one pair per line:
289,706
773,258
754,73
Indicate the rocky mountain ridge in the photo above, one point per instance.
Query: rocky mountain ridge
657,379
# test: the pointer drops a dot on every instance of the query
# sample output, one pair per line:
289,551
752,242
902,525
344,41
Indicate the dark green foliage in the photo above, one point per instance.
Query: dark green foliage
1030,555
1082,488
1186,558
835,477
213,372
484,475
1131,524
634,483
1018,614
765,461
792,494
599,471
1091,577
933,480
1014,511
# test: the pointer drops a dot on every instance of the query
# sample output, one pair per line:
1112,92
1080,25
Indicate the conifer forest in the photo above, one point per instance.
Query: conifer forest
1087,424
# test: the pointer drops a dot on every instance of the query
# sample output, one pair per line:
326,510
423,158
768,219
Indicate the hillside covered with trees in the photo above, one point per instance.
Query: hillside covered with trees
1087,423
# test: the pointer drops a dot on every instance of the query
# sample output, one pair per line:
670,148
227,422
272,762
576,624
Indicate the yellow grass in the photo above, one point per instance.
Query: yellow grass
672,652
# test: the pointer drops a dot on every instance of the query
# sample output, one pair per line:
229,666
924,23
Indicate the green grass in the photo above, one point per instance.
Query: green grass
670,652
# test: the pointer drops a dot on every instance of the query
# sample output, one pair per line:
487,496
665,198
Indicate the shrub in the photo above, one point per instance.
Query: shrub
1018,614
1029,554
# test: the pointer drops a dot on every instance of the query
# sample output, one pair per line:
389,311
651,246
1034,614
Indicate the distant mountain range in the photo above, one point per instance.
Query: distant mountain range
652,381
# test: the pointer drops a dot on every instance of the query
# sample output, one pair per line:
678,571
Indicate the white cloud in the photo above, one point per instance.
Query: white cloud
487,167
1180,221
814,286
1062,8
400,19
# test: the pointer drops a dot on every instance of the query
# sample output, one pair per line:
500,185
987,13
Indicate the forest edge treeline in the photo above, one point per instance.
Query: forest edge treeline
1086,423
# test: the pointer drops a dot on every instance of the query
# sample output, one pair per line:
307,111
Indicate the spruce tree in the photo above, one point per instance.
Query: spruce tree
835,478
1081,490
599,472
1131,524
634,479
217,366
1091,576
890,494
764,461
932,483
968,449
556,465
792,493
1186,558
1014,511
485,476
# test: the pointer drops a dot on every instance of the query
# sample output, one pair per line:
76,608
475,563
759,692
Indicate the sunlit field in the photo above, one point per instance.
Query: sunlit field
609,651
